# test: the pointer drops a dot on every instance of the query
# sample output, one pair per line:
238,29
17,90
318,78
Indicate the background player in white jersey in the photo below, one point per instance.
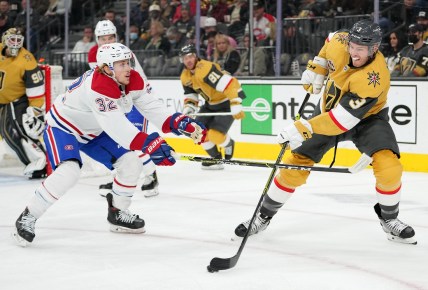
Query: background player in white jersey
105,32
354,108
95,103
22,99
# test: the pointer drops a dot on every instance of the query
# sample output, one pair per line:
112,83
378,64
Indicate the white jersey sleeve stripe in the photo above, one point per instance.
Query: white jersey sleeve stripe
343,118
223,82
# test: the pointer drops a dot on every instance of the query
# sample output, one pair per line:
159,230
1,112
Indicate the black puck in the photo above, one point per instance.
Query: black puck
211,270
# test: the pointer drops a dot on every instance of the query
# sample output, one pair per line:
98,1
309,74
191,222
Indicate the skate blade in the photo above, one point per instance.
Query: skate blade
151,193
123,230
396,239
235,238
19,240
213,167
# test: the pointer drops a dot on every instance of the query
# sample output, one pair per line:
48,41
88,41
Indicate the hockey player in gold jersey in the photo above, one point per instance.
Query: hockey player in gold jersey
353,108
221,92
22,93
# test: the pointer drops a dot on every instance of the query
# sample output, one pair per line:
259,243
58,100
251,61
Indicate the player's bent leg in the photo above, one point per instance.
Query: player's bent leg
150,178
212,151
121,220
229,147
388,170
54,187
284,185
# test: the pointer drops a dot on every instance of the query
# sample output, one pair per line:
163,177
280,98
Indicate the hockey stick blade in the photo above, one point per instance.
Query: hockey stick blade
218,264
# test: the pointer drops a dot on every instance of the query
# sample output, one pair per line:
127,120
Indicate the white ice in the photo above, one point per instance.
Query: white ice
326,237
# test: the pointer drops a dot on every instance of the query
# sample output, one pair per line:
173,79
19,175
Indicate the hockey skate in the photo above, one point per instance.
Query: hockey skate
24,231
150,185
123,221
228,150
259,224
396,230
104,189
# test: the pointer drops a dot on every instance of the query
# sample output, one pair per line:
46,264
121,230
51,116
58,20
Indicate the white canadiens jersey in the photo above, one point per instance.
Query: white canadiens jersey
95,103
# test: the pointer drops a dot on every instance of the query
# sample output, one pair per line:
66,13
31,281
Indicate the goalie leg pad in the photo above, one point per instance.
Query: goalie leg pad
291,179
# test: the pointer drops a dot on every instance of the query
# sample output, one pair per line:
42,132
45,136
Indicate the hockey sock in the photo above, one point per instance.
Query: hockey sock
275,198
56,185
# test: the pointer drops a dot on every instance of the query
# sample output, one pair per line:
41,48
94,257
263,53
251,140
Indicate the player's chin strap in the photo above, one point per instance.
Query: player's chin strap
361,164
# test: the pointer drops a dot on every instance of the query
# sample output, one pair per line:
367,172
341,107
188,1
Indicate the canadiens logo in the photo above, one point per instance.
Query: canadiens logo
373,78
68,147
342,38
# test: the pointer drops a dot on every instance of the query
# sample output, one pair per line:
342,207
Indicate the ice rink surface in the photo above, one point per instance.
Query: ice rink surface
326,237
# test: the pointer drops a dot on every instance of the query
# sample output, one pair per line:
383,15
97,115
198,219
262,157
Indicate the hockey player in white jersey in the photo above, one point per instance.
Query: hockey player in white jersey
105,33
96,103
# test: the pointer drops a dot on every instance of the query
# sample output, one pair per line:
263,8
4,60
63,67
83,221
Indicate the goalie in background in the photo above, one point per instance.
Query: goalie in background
221,92
22,98
354,108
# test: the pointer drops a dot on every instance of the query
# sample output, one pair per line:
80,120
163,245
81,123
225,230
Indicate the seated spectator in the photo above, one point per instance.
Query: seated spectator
4,23
259,66
219,10
154,15
6,9
87,41
238,14
413,58
263,24
157,40
423,20
186,23
135,41
211,25
395,45
225,55
176,39
140,13
167,10
293,42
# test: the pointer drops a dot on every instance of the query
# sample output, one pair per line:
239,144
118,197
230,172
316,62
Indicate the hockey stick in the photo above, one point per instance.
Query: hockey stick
217,264
362,163
245,109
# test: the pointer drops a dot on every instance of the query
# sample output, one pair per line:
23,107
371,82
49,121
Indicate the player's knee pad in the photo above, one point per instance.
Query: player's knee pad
294,178
387,170
216,136
62,179
128,169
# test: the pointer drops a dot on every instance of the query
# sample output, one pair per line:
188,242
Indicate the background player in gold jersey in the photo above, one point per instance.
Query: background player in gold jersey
221,93
22,99
354,108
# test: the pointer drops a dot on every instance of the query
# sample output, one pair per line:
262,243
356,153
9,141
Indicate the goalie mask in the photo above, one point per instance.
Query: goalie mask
13,40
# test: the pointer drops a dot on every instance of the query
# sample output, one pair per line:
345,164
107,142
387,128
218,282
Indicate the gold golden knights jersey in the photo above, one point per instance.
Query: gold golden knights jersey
351,94
210,82
20,76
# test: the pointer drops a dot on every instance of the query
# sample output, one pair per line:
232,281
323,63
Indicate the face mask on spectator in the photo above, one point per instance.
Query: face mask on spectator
412,38
133,35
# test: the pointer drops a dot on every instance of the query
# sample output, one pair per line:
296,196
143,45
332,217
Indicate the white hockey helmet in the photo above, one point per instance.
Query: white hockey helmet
110,53
105,27
13,39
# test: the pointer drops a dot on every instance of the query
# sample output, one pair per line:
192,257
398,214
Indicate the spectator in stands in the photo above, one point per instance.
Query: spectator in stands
135,41
176,39
238,13
423,20
111,15
263,24
5,9
87,41
225,55
167,10
260,68
219,10
210,25
154,15
140,13
413,58
157,40
186,23
21,23
4,23
396,43
293,42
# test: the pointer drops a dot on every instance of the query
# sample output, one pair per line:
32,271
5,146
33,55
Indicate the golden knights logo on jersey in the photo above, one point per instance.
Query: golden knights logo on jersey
407,65
342,38
373,78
